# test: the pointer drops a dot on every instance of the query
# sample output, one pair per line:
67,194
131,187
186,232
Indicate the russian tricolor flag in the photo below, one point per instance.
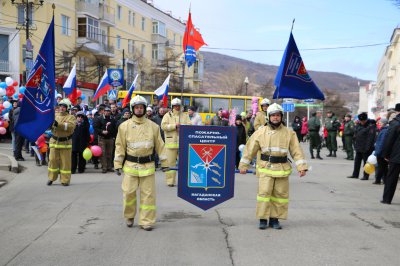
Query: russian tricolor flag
102,88
162,91
129,94
70,86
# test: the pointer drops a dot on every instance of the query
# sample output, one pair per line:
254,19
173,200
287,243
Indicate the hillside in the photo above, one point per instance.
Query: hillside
220,72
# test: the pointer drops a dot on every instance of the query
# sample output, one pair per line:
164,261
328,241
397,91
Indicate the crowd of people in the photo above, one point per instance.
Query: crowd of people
131,145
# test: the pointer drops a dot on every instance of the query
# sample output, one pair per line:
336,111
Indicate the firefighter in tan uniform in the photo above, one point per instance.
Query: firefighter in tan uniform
276,142
261,116
61,145
170,124
136,140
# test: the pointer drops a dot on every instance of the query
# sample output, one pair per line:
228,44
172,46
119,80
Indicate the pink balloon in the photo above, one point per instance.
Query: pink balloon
96,150
2,130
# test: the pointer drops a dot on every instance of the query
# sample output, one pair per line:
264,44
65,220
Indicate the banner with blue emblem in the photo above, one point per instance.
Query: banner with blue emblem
115,77
206,164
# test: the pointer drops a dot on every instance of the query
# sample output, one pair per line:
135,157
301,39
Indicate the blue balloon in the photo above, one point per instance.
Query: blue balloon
5,111
3,85
5,98
91,129
22,89
15,96
83,96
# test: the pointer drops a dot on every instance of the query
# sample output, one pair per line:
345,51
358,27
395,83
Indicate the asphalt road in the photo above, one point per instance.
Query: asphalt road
333,220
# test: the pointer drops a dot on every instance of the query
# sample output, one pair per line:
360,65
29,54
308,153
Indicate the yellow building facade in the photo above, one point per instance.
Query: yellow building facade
98,34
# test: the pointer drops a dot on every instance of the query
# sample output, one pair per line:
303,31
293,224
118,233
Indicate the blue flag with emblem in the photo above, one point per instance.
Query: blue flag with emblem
37,107
292,79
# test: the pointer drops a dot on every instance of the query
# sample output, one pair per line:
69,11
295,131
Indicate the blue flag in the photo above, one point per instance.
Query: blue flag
37,107
292,79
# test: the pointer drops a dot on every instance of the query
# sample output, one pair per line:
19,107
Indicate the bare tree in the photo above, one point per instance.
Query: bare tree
232,80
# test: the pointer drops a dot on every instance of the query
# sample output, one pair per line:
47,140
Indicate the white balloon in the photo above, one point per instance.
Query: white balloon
241,147
9,81
371,159
6,104
6,117
2,92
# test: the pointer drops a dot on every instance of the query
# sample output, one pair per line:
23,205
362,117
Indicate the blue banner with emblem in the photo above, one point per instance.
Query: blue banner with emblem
115,77
206,164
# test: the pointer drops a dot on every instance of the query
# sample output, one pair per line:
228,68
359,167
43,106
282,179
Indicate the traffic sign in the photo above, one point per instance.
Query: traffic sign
309,101
288,107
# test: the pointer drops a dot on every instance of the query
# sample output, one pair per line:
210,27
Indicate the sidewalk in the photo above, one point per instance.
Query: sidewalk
7,161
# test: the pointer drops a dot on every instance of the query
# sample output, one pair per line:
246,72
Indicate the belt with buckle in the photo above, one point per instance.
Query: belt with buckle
62,138
274,159
144,159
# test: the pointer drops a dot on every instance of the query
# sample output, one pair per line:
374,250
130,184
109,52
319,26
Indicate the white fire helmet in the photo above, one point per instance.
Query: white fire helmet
137,100
274,108
265,101
66,102
176,101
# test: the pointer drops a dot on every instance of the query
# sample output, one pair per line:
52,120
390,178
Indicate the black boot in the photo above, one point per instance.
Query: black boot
263,224
312,154
330,154
334,154
274,223
318,156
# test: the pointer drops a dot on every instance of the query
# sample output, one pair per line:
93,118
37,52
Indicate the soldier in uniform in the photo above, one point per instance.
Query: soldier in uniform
348,133
170,124
261,116
276,142
314,125
332,125
137,138
61,145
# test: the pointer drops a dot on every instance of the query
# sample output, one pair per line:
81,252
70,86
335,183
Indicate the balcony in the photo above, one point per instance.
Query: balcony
107,14
158,39
4,66
91,9
96,47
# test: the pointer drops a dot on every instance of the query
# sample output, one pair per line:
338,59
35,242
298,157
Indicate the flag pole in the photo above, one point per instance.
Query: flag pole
292,25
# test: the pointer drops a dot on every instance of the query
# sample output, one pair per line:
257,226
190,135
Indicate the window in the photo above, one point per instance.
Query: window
159,28
129,17
143,23
89,28
3,51
118,42
65,25
174,38
129,72
21,15
154,52
131,46
82,64
219,103
238,104
119,12
133,19
143,50
66,61
202,104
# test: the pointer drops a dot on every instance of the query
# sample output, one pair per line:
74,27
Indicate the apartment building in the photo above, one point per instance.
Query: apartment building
98,34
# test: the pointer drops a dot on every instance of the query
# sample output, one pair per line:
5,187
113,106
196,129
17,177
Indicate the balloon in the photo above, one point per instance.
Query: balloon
9,81
78,93
91,130
340,133
83,96
6,104
5,98
44,148
2,131
10,91
241,147
3,85
15,83
254,105
91,138
6,116
1,123
369,168
96,151
20,96
2,91
22,89
41,139
15,96
5,123
372,159
87,154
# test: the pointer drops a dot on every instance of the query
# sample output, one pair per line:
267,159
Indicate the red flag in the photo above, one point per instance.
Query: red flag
192,41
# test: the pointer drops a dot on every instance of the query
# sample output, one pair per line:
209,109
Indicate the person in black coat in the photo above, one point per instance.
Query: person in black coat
364,139
296,126
80,141
391,152
241,138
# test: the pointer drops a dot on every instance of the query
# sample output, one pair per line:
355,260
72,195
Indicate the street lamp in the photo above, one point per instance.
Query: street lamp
246,83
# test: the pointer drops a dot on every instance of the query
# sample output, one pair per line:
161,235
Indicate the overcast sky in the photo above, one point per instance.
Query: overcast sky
265,24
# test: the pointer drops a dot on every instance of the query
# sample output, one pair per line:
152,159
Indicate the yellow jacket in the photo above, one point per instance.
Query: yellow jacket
168,124
138,137
260,120
274,142
65,128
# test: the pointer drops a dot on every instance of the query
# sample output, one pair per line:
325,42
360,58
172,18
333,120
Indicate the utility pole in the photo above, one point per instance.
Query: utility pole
123,68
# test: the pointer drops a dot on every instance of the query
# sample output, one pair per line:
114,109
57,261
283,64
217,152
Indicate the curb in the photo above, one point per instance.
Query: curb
13,166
